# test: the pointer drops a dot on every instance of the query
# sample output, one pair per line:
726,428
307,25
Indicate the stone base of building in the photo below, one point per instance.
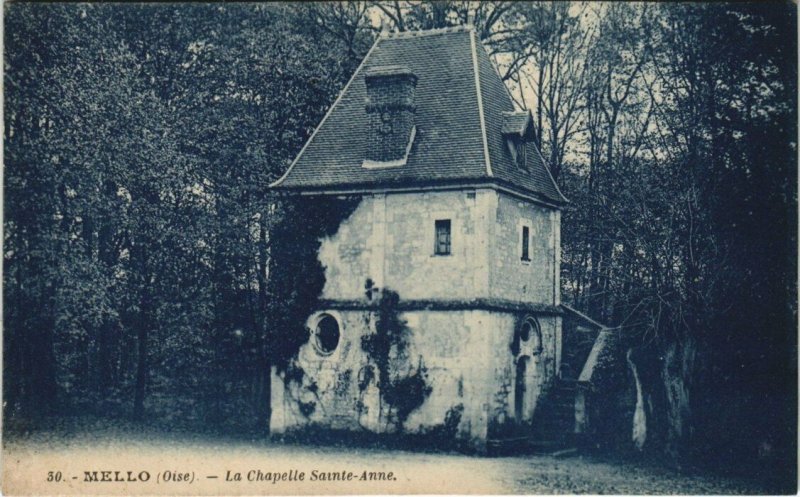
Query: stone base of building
484,368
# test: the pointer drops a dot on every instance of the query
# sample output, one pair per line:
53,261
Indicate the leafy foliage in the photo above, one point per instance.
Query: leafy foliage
681,213
388,348
296,275
139,142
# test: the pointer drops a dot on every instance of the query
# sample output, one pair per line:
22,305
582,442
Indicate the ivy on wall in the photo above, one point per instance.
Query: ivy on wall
296,276
388,349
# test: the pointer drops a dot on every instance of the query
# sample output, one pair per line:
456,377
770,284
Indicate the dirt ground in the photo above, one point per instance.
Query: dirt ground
31,464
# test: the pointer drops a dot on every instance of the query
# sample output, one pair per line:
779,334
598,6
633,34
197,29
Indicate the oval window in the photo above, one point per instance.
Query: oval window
326,335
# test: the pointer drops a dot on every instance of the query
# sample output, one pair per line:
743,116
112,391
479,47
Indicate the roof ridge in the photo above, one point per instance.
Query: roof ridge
460,28
476,71
513,103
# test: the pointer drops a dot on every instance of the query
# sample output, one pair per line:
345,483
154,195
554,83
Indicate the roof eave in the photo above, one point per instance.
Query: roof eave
406,186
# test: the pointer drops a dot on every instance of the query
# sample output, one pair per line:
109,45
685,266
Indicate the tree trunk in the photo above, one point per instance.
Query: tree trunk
34,336
142,332
107,341
141,372
38,358
639,434
264,391
676,373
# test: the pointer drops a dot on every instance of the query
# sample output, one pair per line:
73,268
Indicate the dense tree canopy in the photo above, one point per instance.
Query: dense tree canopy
137,161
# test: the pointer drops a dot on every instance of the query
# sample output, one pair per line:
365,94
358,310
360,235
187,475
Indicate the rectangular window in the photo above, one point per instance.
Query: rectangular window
525,243
442,237
522,155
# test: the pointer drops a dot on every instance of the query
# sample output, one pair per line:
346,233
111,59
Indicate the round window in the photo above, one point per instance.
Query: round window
326,335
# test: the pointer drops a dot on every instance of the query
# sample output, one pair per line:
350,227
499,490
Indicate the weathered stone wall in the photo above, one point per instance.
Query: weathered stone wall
452,345
347,255
471,369
513,278
390,240
328,384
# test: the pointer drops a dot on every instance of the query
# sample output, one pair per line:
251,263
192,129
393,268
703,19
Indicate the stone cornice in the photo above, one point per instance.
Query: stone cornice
418,186
485,304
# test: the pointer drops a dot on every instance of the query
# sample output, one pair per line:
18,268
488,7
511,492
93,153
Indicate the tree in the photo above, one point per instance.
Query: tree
137,237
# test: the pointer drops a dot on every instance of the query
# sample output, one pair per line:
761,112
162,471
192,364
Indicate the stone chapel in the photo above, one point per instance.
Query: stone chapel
461,217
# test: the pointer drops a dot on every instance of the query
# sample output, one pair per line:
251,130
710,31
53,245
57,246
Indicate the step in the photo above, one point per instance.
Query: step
569,451
561,398
552,430
560,420
569,392
565,413
541,420
557,421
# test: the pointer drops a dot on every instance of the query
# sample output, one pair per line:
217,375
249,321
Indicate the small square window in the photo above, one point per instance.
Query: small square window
525,243
442,241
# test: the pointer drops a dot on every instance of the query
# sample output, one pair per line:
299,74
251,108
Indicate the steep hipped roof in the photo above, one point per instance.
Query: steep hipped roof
460,102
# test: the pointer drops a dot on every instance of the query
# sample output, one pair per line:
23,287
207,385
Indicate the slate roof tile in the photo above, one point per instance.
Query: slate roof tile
449,145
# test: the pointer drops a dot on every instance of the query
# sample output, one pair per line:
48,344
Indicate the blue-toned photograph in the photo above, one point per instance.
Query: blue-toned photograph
400,247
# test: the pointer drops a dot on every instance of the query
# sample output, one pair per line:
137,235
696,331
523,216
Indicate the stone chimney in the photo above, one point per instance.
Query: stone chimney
390,106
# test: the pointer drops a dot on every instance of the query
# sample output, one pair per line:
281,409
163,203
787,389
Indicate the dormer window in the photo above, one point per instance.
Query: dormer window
518,131
518,149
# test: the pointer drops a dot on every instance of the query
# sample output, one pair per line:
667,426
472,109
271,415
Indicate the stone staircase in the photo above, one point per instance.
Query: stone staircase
554,419
553,426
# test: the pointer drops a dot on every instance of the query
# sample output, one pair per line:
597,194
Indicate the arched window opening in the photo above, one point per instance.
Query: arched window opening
530,334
